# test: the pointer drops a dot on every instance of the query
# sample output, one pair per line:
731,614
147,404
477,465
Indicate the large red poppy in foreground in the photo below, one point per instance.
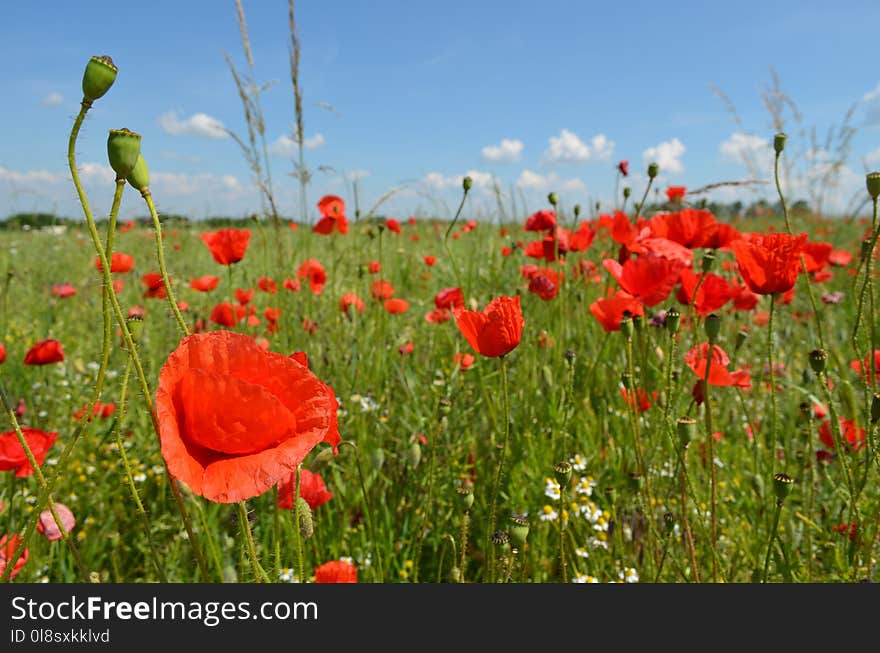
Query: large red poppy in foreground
234,420
494,331
769,263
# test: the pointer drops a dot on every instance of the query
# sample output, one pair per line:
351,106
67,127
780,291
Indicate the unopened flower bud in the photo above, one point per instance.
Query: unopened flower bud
414,455
553,198
519,530
627,191
687,430
782,483
873,183
577,210
306,525
653,170
708,261
668,523
139,177
98,77
627,380
818,359
741,336
123,150
467,183
713,327
321,459
377,458
135,327
779,142
673,319
875,409
570,356
465,496
562,472
635,481
626,327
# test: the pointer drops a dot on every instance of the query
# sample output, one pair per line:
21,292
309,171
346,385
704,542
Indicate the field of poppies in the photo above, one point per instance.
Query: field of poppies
643,393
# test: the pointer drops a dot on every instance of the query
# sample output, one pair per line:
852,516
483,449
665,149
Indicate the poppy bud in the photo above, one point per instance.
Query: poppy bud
741,336
553,198
708,260
320,461
653,170
875,409
627,191
123,150
377,458
818,359
638,322
465,496
687,430
713,326
306,525
627,380
873,183
635,481
779,142
98,77
519,530
626,327
782,483
562,472
673,319
577,210
445,406
805,410
668,523
414,454
467,183
135,327
570,356
139,177
501,539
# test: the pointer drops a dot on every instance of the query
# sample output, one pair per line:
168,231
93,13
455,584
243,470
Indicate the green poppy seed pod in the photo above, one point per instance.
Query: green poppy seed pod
741,336
135,327
570,356
519,530
627,191
713,327
553,198
638,322
804,410
577,210
321,459
445,406
123,150
377,458
875,409
673,320
501,539
818,359
635,481
668,523
873,183
467,183
653,170
626,327
782,483
306,525
708,260
98,77
779,142
465,496
562,472
687,430
139,177
414,455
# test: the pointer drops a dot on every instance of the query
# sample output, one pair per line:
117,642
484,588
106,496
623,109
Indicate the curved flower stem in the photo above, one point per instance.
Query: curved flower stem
867,286
493,519
707,404
367,508
245,525
129,478
644,199
770,541
10,414
160,256
772,434
123,325
446,242
297,531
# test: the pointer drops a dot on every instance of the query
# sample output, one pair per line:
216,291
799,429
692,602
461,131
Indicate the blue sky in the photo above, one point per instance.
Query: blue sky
413,95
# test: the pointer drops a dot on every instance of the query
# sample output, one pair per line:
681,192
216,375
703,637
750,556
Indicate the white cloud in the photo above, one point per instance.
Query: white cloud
52,100
91,173
286,145
30,177
507,151
439,181
871,100
198,124
534,181
872,158
176,184
748,150
667,155
569,148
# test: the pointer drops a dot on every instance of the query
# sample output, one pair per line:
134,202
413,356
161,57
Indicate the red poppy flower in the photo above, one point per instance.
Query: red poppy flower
675,193
528,270
581,239
118,285
2,353
438,316
541,221
235,419
816,256
406,349
840,257
382,289
349,300
206,283
332,206
851,434
293,225
227,246
609,311
623,166
155,286
698,360
309,326
104,411
622,230
430,261
63,290
639,399
864,366
373,267
311,488
743,298
396,306
8,546
336,571
494,331
314,272
769,263
506,251
12,455
393,225
545,283
48,527
332,210
243,296
293,285
450,298
119,262
136,312
464,361
649,278
222,314
688,227
714,291
45,352
267,285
